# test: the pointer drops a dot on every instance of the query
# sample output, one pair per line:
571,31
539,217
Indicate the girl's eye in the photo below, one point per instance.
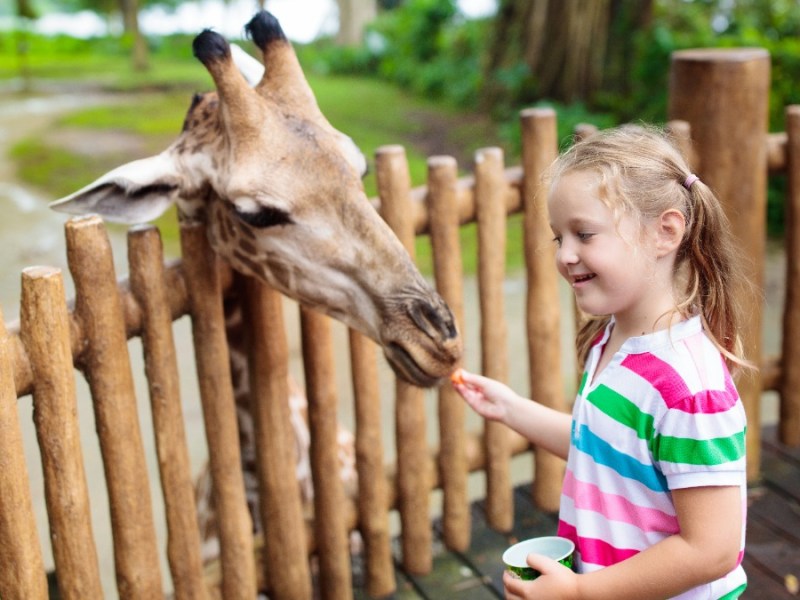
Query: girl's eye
557,240
584,237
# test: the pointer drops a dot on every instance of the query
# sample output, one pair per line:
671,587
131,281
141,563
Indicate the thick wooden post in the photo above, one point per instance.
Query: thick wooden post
414,476
789,425
539,149
724,96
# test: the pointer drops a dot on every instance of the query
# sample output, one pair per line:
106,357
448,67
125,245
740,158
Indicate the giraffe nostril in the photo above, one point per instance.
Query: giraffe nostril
435,319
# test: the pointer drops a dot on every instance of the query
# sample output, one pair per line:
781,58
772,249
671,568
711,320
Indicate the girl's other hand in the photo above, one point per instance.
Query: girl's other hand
556,581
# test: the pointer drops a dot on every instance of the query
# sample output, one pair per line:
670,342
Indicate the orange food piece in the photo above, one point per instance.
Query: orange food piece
457,377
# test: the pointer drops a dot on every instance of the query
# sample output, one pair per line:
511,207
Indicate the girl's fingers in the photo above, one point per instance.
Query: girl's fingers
512,585
463,377
543,564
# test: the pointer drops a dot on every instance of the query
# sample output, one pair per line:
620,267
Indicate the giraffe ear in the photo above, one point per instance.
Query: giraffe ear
136,192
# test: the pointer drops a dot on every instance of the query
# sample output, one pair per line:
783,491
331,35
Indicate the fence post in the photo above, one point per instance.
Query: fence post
22,575
335,577
490,190
44,330
149,286
373,487
539,149
789,425
724,96
99,309
219,412
285,566
453,468
414,474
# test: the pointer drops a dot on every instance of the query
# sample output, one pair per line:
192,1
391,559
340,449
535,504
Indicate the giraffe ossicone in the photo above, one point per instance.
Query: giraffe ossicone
280,191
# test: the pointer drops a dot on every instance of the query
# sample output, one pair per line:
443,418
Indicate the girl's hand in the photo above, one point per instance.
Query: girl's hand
556,581
487,397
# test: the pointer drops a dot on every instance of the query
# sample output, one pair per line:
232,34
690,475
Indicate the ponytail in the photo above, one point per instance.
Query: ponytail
714,282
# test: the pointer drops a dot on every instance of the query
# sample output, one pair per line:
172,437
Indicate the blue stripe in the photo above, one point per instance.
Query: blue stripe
605,454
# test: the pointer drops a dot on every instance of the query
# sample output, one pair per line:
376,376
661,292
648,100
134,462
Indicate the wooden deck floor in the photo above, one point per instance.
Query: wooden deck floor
772,551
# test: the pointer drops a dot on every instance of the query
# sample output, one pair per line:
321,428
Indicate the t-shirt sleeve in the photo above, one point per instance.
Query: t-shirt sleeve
701,440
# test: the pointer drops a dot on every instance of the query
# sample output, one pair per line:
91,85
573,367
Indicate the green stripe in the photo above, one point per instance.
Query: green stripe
735,593
623,411
582,385
715,451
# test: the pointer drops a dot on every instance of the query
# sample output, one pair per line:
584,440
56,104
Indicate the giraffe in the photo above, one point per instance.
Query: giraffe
280,192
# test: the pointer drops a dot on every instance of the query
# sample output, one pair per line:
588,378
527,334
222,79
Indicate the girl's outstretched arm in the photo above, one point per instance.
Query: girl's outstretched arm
705,549
545,427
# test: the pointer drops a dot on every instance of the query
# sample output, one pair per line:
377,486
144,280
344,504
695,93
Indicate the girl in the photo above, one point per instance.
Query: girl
654,491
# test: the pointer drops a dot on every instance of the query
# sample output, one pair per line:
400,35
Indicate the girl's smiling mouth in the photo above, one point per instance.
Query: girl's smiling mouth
583,278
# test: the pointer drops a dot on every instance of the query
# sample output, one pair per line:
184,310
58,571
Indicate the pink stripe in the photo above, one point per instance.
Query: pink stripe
613,507
594,551
673,388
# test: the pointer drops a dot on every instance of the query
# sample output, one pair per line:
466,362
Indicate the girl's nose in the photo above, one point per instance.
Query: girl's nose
566,255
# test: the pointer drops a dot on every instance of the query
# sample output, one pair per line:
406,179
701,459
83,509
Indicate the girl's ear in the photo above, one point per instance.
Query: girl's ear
671,226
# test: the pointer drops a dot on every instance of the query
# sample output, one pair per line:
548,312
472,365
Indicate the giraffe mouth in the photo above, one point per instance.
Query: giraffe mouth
407,368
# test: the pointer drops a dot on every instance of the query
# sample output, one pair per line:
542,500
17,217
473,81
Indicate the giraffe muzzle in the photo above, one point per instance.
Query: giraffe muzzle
423,344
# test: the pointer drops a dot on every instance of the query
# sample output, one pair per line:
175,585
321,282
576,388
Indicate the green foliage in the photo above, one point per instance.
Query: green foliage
425,46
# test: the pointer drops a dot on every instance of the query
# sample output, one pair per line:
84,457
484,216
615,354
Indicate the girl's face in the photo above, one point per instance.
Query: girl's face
609,261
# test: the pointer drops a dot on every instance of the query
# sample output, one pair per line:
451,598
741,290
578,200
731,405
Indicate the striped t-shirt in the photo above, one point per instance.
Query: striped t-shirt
664,414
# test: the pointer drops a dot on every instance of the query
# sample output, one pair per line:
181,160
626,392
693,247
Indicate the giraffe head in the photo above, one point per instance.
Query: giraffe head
280,191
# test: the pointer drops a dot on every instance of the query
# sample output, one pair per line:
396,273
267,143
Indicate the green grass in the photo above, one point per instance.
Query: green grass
157,116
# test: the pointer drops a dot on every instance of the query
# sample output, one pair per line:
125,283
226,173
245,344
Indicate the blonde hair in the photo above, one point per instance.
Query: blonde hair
642,174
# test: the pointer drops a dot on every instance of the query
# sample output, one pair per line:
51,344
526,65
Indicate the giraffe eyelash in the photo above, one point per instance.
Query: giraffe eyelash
264,217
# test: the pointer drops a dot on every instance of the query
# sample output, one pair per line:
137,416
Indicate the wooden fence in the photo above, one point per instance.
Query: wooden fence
37,356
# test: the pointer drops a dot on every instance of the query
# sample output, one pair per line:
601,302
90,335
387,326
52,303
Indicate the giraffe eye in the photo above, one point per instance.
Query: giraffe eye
264,216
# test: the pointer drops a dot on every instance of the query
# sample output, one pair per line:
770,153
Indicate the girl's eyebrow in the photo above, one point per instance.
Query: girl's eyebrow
579,222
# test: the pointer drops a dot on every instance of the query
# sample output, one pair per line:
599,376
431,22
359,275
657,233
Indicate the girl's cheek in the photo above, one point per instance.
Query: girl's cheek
562,269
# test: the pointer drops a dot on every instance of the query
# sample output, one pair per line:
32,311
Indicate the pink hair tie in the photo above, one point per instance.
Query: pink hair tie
690,180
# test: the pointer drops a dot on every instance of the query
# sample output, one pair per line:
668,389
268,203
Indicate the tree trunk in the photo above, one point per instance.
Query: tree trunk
563,44
130,24
354,15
